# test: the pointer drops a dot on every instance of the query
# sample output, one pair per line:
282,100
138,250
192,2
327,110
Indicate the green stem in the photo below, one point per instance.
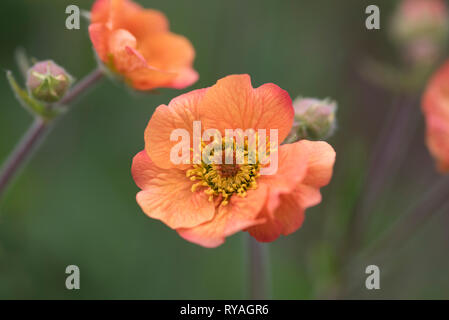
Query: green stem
22,152
259,283
36,133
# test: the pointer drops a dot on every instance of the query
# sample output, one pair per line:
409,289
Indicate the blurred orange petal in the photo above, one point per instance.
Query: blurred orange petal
122,46
167,51
139,44
99,35
435,106
144,22
100,11
438,141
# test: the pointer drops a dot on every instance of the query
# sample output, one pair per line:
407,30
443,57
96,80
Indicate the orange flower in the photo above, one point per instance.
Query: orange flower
436,110
205,203
137,44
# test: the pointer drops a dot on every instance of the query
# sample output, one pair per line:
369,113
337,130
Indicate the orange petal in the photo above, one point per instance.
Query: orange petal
185,77
100,11
436,101
435,106
437,139
118,10
124,14
289,216
150,78
292,168
99,36
169,59
167,51
320,164
306,196
179,114
233,103
436,97
122,46
143,22
284,212
237,215
166,195
132,34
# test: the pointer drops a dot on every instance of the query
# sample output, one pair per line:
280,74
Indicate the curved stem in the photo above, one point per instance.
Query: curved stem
258,270
82,86
22,152
24,149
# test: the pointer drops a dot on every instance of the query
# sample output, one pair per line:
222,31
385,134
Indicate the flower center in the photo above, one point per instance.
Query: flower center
228,170
224,180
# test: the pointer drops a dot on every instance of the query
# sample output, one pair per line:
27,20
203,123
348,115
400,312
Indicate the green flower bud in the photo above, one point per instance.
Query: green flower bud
48,82
314,119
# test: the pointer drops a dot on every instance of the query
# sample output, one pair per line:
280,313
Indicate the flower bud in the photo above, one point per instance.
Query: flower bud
420,28
314,119
48,82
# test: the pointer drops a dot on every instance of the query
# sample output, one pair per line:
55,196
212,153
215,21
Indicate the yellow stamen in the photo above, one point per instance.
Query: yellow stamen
225,180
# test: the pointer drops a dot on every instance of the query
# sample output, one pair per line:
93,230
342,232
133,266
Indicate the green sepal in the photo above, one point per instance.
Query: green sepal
29,103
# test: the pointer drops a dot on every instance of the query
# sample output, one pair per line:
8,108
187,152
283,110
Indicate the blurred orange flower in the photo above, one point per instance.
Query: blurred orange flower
436,109
136,43
421,28
207,203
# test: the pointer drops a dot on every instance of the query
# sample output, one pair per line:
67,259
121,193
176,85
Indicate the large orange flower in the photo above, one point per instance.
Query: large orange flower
436,109
206,203
137,43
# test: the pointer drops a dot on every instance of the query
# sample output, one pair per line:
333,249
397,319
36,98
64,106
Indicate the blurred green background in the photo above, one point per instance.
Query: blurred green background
75,202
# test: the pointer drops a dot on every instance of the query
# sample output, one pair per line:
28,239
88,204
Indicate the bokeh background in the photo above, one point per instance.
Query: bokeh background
75,202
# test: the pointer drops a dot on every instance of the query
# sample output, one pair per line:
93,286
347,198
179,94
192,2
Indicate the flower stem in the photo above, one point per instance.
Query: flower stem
22,152
30,141
259,283
82,86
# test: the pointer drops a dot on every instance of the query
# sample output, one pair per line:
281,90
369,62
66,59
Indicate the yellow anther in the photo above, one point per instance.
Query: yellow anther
222,181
